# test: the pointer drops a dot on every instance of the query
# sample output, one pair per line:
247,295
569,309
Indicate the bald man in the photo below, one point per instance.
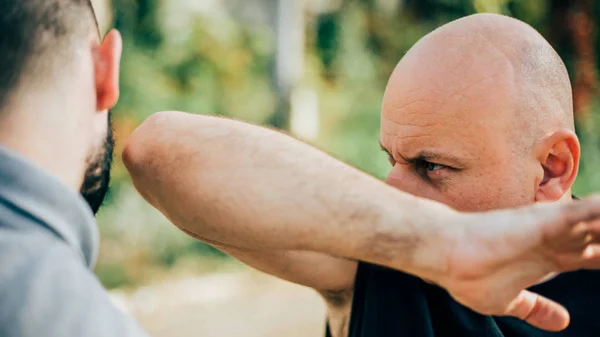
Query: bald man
478,116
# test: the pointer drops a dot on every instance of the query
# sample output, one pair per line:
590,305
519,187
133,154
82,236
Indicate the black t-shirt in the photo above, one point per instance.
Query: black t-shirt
389,303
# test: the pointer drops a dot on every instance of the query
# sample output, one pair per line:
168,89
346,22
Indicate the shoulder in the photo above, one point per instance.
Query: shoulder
25,246
34,260
51,292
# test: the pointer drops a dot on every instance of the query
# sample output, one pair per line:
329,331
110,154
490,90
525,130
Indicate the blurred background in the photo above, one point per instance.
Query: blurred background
315,68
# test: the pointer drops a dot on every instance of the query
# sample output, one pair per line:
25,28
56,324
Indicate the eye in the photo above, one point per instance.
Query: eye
433,167
430,170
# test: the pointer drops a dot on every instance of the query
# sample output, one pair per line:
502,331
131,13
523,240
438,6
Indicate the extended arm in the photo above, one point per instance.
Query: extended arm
251,189
279,204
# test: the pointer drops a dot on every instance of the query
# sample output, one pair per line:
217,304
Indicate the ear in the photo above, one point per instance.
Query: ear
107,58
558,154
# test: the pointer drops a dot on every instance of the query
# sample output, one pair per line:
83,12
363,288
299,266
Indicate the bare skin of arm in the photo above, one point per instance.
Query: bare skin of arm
293,211
176,177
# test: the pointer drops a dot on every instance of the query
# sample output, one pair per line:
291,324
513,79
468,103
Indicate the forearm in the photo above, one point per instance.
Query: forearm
237,184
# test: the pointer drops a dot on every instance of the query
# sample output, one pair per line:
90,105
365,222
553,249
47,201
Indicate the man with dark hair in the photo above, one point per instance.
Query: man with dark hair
57,84
41,41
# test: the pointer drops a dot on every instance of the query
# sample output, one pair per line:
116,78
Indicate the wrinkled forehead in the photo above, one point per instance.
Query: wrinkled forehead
460,105
451,141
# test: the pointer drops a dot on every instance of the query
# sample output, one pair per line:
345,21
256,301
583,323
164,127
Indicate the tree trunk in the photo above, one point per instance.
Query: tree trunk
573,34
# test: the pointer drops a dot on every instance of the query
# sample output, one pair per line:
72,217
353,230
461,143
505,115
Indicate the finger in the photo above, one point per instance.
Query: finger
539,311
592,227
591,257
581,236
584,210
572,218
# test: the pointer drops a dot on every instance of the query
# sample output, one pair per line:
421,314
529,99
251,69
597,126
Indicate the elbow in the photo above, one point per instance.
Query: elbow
132,153
146,141
167,136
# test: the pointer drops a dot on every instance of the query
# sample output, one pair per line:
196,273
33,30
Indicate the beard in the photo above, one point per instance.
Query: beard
97,175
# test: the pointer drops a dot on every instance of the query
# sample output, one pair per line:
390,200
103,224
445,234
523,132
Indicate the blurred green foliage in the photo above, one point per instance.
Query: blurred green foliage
176,58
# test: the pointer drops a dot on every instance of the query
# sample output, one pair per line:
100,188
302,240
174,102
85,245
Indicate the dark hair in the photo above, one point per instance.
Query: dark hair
37,31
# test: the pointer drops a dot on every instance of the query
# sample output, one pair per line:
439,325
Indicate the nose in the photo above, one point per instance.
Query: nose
404,179
388,179
401,179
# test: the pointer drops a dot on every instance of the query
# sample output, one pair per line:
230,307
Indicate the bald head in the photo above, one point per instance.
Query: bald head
502,52
476,96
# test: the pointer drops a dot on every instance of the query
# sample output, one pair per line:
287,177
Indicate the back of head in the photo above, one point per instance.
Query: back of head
57,84
478,114
38,37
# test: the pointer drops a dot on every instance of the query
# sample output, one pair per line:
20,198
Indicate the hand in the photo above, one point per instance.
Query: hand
496,255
